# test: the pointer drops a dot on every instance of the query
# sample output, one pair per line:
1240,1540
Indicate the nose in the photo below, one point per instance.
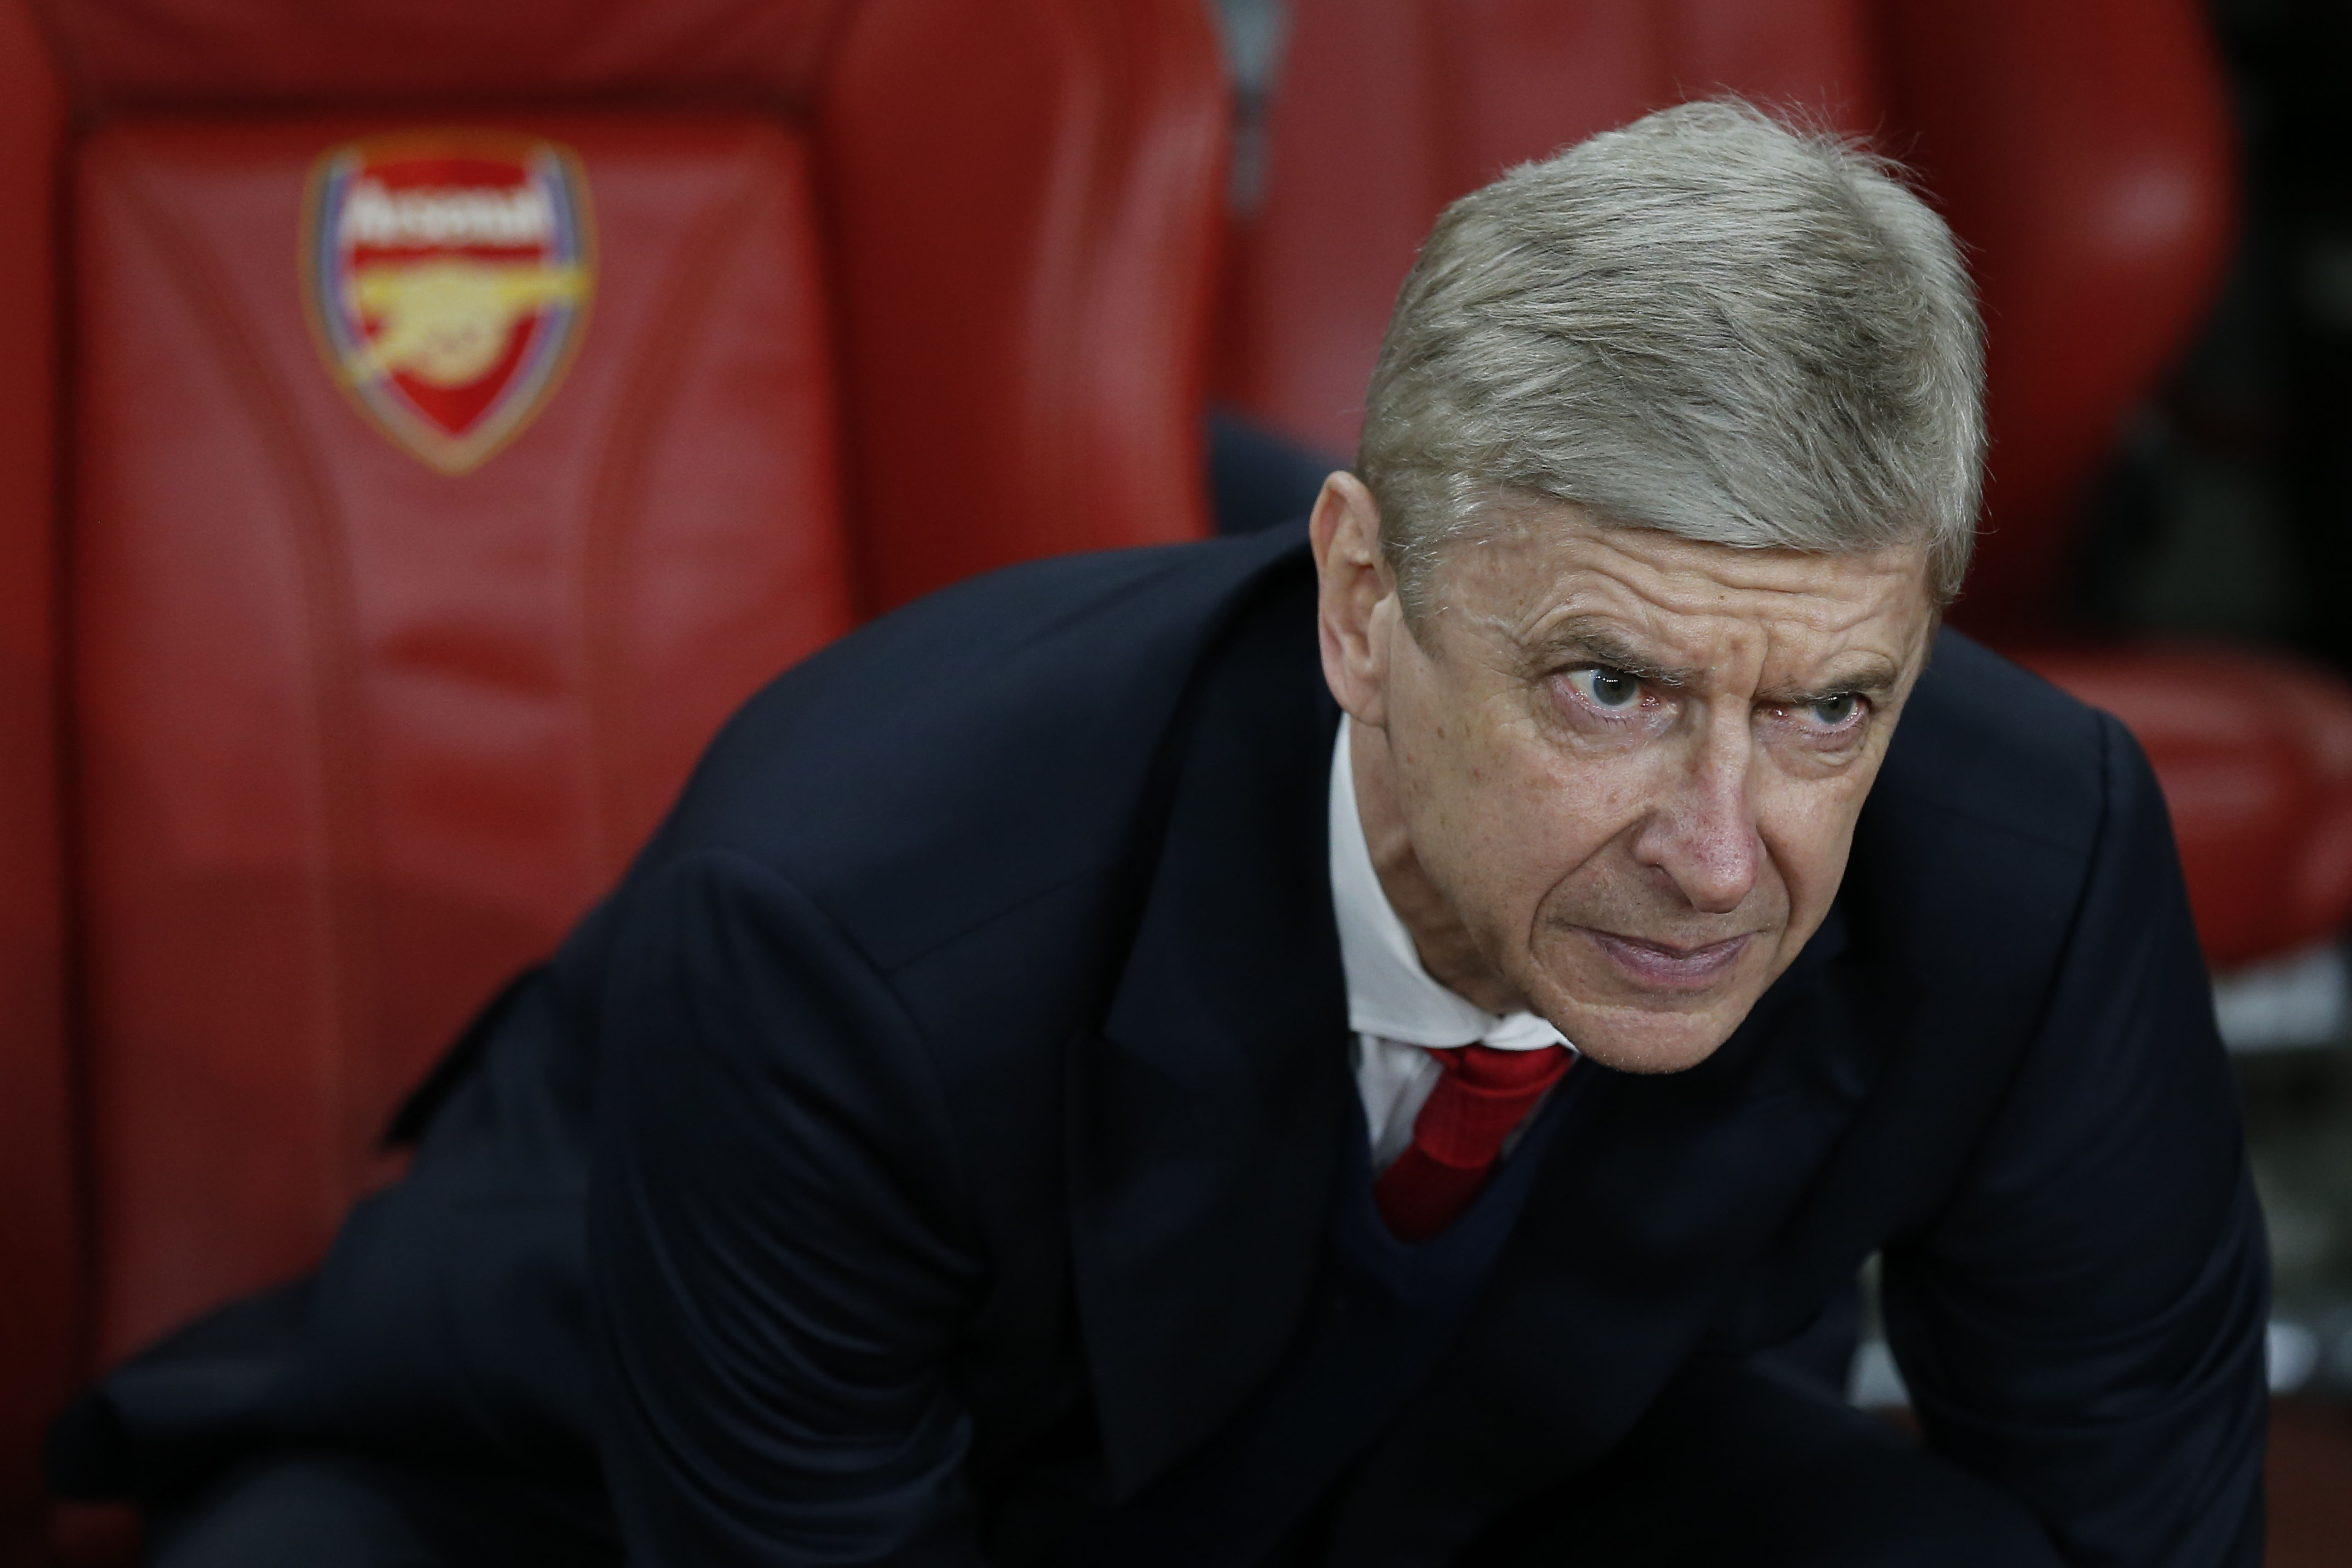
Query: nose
1701,831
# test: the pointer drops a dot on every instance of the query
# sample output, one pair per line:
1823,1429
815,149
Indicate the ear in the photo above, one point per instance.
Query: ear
1358,611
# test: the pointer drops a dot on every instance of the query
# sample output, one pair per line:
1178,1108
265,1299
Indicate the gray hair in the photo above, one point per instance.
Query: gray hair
1708,323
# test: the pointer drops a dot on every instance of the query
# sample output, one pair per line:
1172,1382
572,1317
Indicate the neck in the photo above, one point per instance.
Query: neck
1439,936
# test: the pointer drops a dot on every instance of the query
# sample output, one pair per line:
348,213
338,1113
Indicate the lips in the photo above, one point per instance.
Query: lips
1659,966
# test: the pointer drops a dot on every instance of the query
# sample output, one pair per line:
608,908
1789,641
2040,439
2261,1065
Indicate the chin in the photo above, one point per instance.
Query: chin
1630,1028
1646,1051
1646,1040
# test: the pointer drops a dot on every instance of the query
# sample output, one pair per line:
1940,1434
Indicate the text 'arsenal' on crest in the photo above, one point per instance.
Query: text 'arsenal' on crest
448,274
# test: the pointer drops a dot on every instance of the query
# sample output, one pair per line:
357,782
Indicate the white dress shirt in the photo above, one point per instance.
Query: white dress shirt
1394,1005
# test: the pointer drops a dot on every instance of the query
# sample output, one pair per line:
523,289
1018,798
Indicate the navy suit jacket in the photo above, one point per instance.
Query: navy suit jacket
928,1143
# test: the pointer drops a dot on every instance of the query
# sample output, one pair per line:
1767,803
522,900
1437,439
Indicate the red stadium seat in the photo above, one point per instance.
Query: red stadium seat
2256,759
41,1254
471,402
2082,149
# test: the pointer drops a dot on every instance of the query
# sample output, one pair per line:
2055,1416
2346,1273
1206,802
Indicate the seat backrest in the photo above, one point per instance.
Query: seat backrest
2079,148
473,402
2082,150
40,1253
355,735
1387,109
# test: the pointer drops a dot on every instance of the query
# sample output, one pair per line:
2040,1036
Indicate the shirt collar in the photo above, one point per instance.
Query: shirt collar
1390,995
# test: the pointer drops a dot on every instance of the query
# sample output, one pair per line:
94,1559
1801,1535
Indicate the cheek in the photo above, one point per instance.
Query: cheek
1522,820
1807,829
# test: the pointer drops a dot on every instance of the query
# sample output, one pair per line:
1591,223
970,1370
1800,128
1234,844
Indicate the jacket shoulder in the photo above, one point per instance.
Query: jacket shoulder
976,747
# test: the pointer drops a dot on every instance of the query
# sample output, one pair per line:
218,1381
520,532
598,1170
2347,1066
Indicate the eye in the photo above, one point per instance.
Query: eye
1831,720
1610,690
1833,713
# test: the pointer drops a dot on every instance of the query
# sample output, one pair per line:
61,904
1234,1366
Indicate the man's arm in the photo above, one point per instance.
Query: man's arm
777,1253
2085,1324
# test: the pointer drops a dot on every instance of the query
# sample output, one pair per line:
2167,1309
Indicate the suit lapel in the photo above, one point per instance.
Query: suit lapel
1204,1116
1654,1195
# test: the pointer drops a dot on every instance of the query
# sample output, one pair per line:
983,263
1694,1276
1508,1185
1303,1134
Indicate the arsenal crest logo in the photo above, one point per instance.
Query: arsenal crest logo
448,276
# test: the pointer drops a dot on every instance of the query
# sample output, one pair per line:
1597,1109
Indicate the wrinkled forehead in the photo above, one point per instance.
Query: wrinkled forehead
1559,576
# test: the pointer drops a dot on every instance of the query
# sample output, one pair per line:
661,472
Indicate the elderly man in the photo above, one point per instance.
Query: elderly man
1383,1049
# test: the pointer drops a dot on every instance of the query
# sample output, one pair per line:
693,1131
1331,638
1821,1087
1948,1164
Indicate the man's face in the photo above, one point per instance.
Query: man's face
1626,765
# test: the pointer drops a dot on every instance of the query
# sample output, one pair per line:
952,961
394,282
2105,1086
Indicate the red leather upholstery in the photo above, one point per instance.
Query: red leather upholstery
1018,207
2079,149
883,293
1027,206
2083,151
2254,752
40,1266
1388,109
355,738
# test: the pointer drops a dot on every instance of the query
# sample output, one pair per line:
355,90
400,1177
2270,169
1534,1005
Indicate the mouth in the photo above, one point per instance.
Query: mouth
1662,966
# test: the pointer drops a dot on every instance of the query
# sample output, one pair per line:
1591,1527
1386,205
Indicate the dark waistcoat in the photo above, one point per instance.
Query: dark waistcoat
1381,1314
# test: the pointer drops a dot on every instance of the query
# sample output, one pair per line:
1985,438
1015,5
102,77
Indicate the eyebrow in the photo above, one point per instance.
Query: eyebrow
1599,642
1602,643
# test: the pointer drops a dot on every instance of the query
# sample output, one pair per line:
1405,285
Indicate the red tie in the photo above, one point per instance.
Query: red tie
1459,1134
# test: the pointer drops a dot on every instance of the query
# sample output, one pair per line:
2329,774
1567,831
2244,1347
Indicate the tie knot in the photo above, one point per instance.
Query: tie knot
1459,1133
1484,1068
1484,1094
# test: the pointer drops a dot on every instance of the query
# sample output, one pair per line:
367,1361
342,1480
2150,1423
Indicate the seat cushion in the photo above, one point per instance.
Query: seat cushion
2254,752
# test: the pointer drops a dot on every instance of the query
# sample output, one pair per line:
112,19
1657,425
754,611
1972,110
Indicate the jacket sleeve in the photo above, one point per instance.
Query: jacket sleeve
777,1257
2085,1323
